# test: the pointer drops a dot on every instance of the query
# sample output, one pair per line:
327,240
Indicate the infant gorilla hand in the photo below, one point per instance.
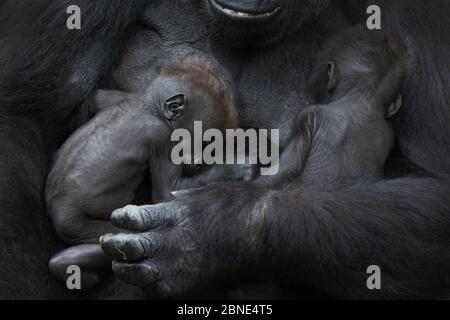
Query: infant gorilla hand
177,252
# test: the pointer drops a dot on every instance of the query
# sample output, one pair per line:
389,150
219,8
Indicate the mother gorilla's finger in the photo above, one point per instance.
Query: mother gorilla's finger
140,274
143,218
132,247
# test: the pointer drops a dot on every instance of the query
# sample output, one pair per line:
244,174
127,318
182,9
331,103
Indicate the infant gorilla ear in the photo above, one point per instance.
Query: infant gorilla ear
174,106
394,107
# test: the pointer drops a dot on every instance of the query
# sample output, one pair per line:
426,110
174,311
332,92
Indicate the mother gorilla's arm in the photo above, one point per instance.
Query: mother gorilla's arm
325,240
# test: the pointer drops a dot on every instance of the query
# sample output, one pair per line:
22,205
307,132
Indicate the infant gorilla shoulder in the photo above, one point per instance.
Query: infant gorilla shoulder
102,165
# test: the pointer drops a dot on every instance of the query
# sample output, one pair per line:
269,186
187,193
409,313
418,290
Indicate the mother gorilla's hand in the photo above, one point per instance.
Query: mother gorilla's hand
186,244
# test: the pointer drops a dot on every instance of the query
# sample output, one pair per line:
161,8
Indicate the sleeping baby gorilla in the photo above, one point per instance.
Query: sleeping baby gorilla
358,79
101,165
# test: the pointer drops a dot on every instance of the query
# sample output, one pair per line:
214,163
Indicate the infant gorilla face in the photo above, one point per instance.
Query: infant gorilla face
180,101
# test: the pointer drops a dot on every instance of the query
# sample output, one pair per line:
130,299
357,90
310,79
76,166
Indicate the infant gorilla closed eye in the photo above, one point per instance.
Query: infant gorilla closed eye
101,165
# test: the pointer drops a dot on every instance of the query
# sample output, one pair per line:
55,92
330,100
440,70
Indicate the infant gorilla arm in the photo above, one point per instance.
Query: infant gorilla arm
101,165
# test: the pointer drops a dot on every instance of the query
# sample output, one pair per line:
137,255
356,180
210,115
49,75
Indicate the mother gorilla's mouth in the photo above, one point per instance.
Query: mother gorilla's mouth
241,14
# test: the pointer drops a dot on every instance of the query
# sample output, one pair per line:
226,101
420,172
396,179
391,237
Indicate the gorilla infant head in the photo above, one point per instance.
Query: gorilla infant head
259,22
363,63
191,89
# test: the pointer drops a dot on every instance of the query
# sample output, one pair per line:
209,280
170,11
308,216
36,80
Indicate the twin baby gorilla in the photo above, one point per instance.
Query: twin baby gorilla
357,79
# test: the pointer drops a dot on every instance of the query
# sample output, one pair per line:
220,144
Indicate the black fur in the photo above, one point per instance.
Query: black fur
297,239
38,108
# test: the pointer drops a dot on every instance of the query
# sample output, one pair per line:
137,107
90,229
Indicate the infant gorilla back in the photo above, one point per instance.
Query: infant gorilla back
345,146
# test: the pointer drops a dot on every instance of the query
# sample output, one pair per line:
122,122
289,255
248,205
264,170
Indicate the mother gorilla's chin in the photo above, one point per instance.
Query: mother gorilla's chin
262,22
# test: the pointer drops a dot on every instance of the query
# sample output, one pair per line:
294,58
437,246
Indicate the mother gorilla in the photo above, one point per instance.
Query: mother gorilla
299,241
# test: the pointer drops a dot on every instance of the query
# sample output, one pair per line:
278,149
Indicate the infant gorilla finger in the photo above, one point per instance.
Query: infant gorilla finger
139,274
143,218
131,247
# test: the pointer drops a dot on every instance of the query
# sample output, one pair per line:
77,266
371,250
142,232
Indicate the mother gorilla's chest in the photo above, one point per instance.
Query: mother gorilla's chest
271,82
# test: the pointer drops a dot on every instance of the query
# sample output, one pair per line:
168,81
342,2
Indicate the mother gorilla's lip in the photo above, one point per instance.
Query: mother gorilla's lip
243,15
